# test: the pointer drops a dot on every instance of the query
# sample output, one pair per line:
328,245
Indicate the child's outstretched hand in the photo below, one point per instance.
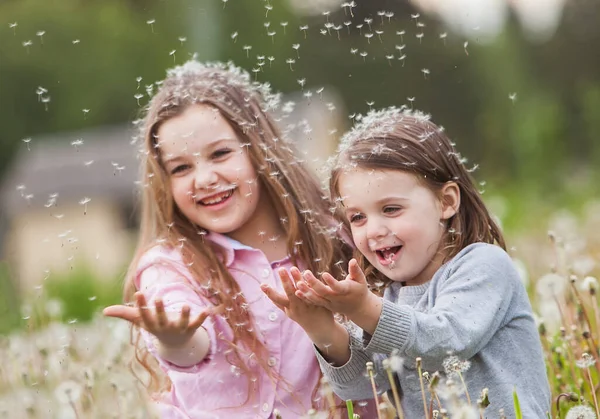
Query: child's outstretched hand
171,331
307,315
350,296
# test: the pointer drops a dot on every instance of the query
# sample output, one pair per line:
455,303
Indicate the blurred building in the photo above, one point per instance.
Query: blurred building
69,199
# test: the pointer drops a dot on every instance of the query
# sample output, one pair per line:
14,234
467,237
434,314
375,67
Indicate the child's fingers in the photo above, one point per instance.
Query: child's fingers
280,300
323,290
296,275
355,272
338,287
199,320
144,311
184,320
161,316
309,296
286,282
130,314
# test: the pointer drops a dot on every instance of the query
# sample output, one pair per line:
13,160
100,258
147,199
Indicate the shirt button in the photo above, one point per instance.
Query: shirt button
265,407
266,273
272,316
272,361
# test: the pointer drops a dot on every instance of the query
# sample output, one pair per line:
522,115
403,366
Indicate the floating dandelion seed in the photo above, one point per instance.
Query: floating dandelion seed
513,97
381,14
224,3
420,37
77,143
389,15
88,163
75,41
465,45
40,91
283,25
368,21
27,44
272,35
415,16
172,53
290,61
369,36
379,33
370,104
85,112
269,8
326,14
247,48
45,101
301,82
359,27
411,100
353,51
27,141
402,58
389,58
137,97
41,35
13,26
182,39
443,37
267,25
425,72
347,25
151,22
84,202
304,28
323,31
138,80
271,59
364,55
401,35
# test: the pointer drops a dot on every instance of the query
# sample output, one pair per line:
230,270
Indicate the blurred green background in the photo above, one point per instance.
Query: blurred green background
521,104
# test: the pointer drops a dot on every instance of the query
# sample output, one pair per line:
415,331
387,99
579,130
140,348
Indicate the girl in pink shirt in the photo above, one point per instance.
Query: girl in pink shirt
225,203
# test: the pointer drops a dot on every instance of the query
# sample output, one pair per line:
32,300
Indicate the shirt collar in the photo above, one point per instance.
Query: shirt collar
228,245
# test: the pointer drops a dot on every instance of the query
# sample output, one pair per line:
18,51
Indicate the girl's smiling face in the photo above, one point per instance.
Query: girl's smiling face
397,222
212,179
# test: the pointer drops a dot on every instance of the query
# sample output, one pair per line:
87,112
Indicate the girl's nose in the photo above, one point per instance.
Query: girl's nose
205,178
376,230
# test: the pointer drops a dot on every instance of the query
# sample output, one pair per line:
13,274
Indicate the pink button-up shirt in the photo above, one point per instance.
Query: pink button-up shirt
214,388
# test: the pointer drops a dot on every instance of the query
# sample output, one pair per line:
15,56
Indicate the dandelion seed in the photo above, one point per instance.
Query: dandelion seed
27,141
234,36
27,44
465,45
368,21
172,53
353,51
401,35
272,35
13,26
381,14
369,36
290,61
425,72
269,8
364,55
182,39
389,15
137,97
359,27
420,37
151,22
247,48
443,37
379,33
512,97
75,41
41,35
224,3
304,28
84,202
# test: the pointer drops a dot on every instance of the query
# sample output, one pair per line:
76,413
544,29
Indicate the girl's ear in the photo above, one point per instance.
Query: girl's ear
450,199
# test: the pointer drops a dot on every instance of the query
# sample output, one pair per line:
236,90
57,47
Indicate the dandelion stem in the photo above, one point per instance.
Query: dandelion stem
394,392
422,388
593,391
372,378
462,380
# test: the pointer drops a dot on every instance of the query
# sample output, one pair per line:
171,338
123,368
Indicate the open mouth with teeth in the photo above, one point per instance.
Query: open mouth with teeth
216,199
388,255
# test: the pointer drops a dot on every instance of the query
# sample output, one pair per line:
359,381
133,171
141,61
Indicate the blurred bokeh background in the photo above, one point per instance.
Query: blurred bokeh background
516,84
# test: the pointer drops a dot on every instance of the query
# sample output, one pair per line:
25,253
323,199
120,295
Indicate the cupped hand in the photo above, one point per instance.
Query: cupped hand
348,296
312,318
172,330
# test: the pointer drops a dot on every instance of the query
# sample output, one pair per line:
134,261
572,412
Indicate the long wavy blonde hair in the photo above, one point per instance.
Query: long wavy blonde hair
401,139
304,212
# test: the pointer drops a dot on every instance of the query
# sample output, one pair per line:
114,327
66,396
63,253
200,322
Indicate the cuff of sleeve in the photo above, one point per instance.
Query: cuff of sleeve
393,330
355,367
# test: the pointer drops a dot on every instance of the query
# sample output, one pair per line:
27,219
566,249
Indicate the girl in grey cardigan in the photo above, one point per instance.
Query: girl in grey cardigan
451,294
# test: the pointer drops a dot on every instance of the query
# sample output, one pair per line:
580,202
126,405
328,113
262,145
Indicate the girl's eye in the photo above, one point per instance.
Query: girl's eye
356,217
179,168
391,210
221,152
